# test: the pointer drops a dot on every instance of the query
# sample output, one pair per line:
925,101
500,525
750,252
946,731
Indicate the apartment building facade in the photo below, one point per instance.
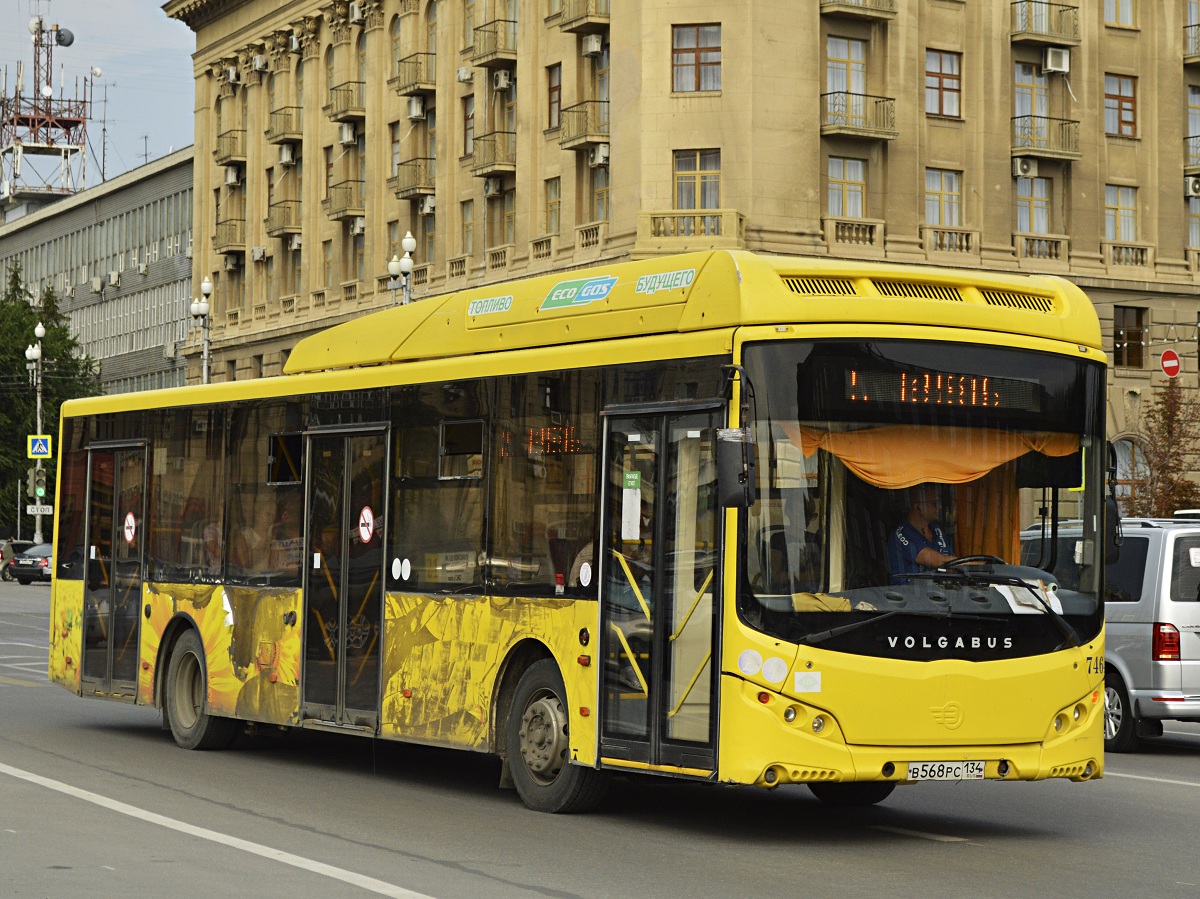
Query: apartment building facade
515,137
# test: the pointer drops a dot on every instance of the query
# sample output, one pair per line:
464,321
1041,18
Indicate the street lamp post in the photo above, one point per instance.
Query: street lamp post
200,314
33,356
402,268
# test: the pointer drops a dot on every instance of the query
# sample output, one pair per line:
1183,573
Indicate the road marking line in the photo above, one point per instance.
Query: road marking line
16,682
905,832
1157,780
296,861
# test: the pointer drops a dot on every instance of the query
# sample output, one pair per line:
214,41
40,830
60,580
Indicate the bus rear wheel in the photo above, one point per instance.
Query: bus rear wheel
539,747
853,794
186,699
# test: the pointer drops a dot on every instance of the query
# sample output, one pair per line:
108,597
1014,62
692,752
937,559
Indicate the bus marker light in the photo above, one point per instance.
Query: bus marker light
584,711
818,724
584,660
1095,696
145,666
407,693
764,697
274,678
789,714
1078,712
1058,722
584,636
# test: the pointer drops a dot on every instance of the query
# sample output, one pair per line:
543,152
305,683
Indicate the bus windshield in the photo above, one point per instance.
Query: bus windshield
894,479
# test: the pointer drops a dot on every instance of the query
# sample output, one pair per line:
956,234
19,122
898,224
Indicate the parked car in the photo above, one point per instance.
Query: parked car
8,549
1152,624
34,564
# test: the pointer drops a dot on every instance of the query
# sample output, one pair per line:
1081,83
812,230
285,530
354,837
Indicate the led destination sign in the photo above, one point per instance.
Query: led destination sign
917,387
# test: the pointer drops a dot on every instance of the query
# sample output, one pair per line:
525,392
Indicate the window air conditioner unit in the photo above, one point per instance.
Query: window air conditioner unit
501,80
287,154
5,189
598,155
188,251
232,176
143,268
295,243
97,285
294,44
428,206
1191,187
346,135
70,291
1024,167
356,14
1056,59
258,254
492,187
114,279
416,108
231,263
593,45
358,226
260,63
233,76
464,75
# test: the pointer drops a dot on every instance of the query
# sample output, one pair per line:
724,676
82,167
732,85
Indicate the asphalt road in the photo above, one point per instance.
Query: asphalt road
96,800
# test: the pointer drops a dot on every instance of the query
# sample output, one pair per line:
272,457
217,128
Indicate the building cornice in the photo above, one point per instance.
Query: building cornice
196,13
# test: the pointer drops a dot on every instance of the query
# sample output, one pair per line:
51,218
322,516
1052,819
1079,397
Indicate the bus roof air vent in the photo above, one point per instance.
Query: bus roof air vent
821,287
916,291
1029,301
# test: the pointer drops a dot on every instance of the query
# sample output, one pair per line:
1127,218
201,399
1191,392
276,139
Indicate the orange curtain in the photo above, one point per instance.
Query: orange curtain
987,519
896,456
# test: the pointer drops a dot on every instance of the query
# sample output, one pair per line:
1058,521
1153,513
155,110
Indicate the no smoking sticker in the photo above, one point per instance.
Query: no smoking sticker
130,528
366,524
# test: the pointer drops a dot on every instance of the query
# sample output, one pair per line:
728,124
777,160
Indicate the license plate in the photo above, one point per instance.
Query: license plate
945,770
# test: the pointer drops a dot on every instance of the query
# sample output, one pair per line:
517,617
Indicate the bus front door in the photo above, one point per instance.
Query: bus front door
116,541
343,593
660,590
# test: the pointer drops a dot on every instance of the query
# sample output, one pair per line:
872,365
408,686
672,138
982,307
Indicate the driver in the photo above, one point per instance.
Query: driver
919,542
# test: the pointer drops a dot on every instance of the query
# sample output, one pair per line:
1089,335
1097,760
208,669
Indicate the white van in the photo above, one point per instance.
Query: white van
1152,615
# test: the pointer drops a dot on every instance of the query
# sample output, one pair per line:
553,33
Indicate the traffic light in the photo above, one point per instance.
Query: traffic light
29,483
39,483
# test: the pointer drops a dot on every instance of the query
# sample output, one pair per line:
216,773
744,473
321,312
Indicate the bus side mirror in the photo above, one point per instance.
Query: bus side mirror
736,487
1112,512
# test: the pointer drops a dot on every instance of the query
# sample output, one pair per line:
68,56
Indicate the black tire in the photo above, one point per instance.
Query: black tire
1120,724
185,699
538,746
854,793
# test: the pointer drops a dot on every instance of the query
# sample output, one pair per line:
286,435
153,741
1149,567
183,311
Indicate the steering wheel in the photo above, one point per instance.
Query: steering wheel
973,560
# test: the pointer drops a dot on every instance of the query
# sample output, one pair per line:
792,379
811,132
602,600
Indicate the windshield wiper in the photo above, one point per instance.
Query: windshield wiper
1005,580
821,636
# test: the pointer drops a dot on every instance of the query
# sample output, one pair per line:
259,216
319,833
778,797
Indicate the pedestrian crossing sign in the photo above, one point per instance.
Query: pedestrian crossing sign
39,446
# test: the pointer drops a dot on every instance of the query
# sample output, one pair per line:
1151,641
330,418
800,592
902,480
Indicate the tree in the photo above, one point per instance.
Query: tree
66,374
1169,432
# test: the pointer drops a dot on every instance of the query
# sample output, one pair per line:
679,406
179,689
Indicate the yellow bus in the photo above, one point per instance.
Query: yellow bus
663,517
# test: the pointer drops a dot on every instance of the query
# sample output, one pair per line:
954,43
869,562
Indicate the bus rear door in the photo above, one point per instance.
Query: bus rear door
660,588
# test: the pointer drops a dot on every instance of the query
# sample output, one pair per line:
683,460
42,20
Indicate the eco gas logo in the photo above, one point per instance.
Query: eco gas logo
567,294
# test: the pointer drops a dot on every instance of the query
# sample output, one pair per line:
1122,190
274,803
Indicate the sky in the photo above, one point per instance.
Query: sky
146,63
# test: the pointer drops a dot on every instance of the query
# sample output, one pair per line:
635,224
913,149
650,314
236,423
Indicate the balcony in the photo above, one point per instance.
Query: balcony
495,152
1039,22
415,74
283,218
678,230
584,16
1042,248
231,147
860,9
1034,135
1129,258
345,200
584,125
495,44
1191,45
858,115
346,102
230,236
856,236
944,239
1191,155
414,178
286,125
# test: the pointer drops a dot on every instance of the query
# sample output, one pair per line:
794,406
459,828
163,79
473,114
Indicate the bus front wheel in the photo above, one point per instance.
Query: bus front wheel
186,699
1120,724
539,748
853,794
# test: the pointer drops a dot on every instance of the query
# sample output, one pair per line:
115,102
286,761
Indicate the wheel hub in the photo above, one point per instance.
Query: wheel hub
544,737
1113,713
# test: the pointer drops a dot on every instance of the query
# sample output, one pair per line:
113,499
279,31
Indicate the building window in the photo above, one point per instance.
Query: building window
431,139
1193,217
943,198
1120,213
360,260
943,83
598,188
269,279
510,216
428,236
393,239
328,170
1118,12
1033,205
468,227
1132,474
297,271
1129,332
554,96
1193,126
697,179
397,46
696,57
329,76
847,190
1120,106
327,261
468,23
395,134
553,191
468,124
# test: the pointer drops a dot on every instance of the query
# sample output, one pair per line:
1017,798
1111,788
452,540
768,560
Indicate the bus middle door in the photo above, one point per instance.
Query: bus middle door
660,589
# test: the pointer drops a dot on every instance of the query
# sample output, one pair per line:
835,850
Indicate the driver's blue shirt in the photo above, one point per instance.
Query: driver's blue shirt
906,543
